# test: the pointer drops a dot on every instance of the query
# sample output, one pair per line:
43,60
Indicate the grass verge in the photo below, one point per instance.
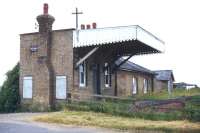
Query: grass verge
175,93
120,108
80,118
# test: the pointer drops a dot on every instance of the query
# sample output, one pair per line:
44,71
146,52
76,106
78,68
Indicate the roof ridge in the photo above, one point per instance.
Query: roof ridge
139,65
134,66
163,70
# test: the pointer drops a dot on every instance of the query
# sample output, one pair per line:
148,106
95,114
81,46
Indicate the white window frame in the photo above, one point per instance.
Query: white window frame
107,75
134,86
61,87
27,87
82,70
145,85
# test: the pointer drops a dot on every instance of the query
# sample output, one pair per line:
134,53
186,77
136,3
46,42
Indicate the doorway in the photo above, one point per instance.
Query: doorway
97,79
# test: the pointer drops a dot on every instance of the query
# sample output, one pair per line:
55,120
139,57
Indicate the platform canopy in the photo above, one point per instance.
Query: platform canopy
109,44
118,35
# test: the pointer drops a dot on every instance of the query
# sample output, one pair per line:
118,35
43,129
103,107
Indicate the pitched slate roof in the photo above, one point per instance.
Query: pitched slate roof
164,75
130,66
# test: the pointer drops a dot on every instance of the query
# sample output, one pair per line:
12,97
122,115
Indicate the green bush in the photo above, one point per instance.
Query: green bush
9,95
192,114
192,109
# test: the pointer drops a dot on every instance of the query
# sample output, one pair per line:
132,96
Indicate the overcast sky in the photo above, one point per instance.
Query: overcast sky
177,22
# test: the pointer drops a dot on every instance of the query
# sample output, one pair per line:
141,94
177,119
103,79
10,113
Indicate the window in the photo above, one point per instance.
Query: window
134,89
27,87
145,84
107,75
82,75
61,87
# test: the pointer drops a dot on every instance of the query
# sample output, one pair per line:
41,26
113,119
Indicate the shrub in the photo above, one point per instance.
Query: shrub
192,109
192,114
9,95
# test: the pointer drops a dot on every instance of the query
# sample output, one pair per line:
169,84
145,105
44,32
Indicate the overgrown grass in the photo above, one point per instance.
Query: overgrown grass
192,109
116,114
81,118
123,109
175,93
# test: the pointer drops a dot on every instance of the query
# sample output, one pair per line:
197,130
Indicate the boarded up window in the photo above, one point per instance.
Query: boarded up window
61,87
27,87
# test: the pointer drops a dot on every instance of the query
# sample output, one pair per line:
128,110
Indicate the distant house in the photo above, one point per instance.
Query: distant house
183,85
133,79
163,80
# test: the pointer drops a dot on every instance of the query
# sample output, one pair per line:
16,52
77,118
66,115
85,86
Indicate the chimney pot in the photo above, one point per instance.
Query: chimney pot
88,26
45,8
82,26
94,25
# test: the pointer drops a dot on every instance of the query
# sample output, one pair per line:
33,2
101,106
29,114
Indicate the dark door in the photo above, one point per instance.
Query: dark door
97,79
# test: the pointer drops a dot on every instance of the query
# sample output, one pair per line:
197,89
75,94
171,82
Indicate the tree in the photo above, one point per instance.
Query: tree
9,95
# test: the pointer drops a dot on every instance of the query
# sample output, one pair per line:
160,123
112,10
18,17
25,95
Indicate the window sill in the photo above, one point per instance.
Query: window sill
107,86
27,98
82,87
61,99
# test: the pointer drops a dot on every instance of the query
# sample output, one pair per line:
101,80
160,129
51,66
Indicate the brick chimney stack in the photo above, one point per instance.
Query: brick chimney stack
45,71
45,20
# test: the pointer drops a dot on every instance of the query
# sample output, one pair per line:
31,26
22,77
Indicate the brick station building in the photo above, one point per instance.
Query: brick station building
72,63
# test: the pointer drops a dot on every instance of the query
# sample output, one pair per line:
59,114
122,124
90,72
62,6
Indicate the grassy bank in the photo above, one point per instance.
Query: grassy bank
191,111
122,109
117,114
81,118
175,93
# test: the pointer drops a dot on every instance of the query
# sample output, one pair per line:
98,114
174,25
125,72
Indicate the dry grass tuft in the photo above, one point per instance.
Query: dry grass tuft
108,121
